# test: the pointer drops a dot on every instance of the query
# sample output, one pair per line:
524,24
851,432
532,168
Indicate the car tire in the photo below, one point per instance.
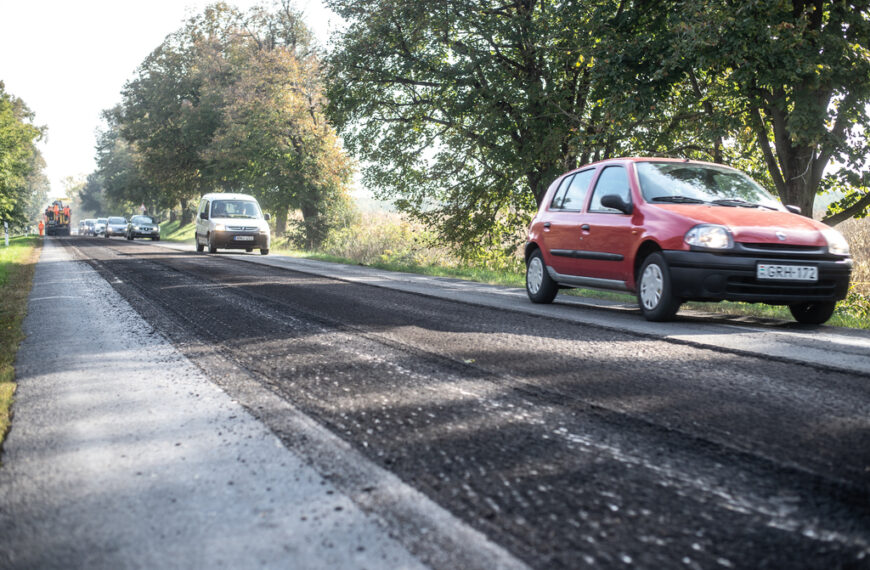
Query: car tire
199,246
157,238
264,251
655,294
249,250
540,287
211,247
812,313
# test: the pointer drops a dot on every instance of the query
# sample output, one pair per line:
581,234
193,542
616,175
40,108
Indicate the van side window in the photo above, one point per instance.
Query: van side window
613,180
575,196
556,204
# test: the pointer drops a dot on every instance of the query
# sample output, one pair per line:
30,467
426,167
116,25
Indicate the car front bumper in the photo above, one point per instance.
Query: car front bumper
240,240
704,276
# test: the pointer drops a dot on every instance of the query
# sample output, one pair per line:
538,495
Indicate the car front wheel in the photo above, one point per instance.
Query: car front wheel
212,248
812,313
655,294
264,251
539,286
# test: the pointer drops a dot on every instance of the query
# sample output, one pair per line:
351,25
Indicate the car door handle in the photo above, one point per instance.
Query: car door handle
546,224
585,227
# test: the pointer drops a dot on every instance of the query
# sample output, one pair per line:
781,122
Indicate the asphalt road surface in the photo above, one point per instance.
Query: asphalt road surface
568,444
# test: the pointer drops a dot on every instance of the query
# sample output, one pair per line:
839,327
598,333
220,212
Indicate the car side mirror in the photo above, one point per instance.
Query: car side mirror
616,202
793,209
267,217
203,215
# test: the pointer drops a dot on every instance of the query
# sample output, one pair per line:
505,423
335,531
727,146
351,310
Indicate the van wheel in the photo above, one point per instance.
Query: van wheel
655,294
249,250
539,286
264,251
199,246
812,313
211,247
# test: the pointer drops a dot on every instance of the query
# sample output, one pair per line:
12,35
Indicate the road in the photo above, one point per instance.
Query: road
587,439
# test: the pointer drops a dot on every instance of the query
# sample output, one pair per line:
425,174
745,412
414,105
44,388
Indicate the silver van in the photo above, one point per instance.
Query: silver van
231,221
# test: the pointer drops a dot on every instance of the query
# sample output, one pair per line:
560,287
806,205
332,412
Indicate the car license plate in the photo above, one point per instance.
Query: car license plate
787,272
244,238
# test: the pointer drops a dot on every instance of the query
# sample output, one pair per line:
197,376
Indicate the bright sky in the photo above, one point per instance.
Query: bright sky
68,60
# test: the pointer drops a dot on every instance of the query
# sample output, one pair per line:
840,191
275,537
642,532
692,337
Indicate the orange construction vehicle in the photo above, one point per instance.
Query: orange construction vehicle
57,219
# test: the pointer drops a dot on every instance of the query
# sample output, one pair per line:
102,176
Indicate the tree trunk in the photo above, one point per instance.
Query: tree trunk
281,220
173,216
799,189
186,215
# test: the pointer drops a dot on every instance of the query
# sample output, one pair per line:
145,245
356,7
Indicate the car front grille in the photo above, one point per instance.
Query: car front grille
751,287
242,228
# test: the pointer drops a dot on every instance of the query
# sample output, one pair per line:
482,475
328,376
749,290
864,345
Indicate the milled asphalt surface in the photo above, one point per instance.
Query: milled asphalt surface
123,454
568,443
824,346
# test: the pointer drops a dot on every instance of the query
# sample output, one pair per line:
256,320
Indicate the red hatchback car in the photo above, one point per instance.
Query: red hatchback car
675,230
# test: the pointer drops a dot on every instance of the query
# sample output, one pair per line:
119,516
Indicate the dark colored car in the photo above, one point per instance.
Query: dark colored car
673,230
143,226
116,226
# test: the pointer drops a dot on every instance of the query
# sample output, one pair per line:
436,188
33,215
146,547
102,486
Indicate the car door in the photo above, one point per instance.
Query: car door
608,236
563,234
201,225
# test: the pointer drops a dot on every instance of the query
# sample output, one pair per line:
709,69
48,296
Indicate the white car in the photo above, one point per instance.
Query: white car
231,221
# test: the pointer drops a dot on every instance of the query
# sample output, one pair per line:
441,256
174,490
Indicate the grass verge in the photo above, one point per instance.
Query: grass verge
17,263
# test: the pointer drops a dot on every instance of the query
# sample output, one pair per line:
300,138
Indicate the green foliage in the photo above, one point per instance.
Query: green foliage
23,186
230,102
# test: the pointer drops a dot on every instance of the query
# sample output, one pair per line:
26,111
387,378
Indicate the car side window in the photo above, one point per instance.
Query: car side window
613,180
575,196
556,204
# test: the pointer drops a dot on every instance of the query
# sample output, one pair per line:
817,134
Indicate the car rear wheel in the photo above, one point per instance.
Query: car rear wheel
655,293
264,251
539,286
812,313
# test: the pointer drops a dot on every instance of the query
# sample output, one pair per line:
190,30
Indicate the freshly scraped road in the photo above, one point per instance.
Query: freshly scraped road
568,444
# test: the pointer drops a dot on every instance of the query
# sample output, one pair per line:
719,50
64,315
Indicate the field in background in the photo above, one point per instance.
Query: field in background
17,263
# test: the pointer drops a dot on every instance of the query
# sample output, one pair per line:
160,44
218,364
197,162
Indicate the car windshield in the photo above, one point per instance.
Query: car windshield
687,183
101,220
235,209
117,221
142,220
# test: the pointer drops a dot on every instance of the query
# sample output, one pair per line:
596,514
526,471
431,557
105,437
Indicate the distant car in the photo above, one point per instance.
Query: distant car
116,226
676,230
143,226
231,221
89,227
100,226
81,231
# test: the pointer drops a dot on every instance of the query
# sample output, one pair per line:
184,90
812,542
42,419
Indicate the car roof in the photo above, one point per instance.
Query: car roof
626,159
228,196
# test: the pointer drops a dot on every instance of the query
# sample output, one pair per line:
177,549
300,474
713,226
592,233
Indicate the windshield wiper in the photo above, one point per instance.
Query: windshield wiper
737,202
678,200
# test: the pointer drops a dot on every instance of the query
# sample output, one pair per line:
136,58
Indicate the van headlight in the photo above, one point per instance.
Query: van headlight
709,236
219,227
837,244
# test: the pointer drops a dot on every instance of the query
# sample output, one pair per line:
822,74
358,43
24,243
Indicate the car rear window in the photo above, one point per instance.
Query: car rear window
572,191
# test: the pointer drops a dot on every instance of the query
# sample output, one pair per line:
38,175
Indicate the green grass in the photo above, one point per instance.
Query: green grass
174,231
17,263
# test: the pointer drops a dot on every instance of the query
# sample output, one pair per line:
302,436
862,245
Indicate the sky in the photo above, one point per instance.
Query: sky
68,60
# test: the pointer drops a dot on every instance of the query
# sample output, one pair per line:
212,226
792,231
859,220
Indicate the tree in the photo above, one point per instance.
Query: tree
797,74
464,111
19,158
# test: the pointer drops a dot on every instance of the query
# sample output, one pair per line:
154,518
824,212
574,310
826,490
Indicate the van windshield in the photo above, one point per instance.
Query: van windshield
235,209
687,183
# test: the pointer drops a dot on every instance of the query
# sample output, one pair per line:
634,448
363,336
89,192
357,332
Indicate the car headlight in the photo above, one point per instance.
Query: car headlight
219,227
136,228
709,236
156,228
837,244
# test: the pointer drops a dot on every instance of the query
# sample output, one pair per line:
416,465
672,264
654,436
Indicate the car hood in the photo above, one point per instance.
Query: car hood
756,225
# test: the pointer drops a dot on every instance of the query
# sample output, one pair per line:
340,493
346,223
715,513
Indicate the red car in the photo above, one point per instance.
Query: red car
675,230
